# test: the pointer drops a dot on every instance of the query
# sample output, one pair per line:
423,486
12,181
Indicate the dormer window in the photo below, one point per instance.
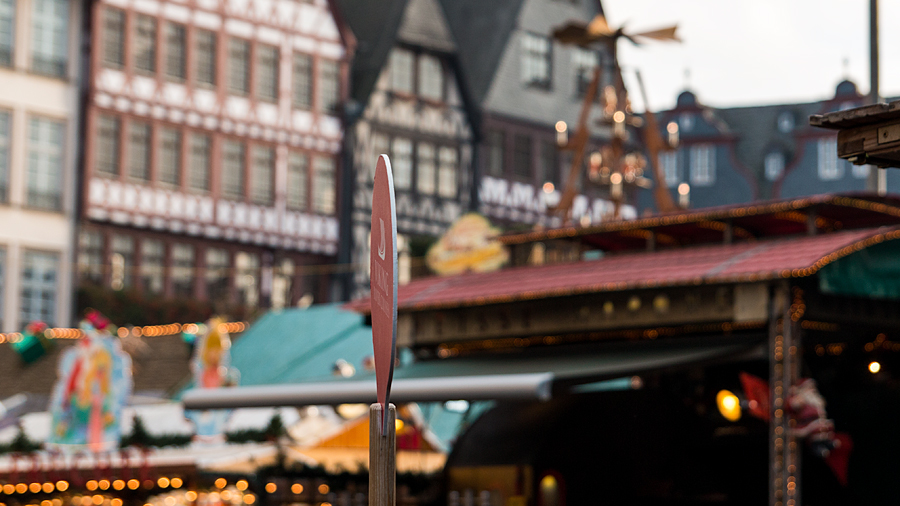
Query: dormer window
431,78
686,122
774,164
785,122
535,60
401,67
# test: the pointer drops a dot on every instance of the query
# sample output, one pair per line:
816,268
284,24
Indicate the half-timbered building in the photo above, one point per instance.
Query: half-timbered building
409,104
524,82
213,160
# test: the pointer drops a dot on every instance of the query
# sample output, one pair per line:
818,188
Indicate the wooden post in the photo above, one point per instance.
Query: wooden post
784,451
382,457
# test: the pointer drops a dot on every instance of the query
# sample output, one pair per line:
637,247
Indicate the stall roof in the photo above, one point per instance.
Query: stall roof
525,375
723,263
778,218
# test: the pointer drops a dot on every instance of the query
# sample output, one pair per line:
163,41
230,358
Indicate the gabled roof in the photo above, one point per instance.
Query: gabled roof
374,24
482,29
424,25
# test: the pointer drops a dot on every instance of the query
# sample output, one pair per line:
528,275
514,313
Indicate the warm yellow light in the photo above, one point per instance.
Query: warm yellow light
56,502
62,485
97,499
249,498
729,405
619,117
398,424
190,495
213,497
21,488
118,484
163,482
297,488
35,488
48,487
561,126
241,485
133,484
221,482
323,489
46,502
684,189
271,487
226,495
176,482
103,484
672,127
9,489
115,502
171,501
91,485
874,367
549,187
86,501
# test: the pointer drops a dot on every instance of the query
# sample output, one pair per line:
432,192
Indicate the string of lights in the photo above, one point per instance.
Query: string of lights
123,332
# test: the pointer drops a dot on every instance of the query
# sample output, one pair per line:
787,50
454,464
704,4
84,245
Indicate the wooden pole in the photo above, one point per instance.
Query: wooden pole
382,457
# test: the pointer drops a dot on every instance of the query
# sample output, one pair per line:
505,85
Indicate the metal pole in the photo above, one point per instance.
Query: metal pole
872,182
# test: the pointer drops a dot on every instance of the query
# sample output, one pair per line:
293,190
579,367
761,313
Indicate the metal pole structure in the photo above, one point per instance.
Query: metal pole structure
877,180
784,451
382,456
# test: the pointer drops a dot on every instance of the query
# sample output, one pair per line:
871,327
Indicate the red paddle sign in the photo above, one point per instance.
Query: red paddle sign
383,291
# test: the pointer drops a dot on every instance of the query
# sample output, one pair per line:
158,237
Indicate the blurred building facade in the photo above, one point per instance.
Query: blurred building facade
740,154
524,82
39,149
410,104
212,160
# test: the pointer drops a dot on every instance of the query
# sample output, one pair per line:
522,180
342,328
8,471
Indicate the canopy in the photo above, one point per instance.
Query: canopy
531,374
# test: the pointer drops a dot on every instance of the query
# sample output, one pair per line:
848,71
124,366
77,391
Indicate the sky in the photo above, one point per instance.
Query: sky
741,52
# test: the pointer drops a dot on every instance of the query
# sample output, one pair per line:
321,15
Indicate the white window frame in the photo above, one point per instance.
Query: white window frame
774,165
402,69
703,164
42,296
827,162
50,37
402,162
668,161
46,161
536,60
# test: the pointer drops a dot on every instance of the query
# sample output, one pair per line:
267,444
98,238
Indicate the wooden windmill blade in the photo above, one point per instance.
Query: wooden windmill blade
654,144
662,34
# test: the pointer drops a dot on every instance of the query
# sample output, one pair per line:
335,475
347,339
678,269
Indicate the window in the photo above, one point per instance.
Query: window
239,66
263,174
496,144
329,86
113,38
106,156
774,165
448,171
302,85
50,36
535,60
703,165
549,168
183,270
46,140
246,275
522,158
584,61
668,161
859,171
4,154
198,176
7,31
144,44
90,257
153,261
233,170
39,274
425,172
401,162
401,66
169,168
829,169
122,262
785,122
176,43
686,121
298,170
267,73
217,275
431,78
139,151
323,185
205,57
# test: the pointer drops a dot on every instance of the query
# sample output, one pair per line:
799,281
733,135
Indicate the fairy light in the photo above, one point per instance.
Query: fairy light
123,332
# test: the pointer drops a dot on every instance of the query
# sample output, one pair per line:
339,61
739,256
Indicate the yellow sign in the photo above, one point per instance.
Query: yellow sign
469,245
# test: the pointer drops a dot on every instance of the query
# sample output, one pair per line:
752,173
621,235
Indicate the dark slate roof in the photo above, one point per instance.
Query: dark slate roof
374,24
424,25
482,30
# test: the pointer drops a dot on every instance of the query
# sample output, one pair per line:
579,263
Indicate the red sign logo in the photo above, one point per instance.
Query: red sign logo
383,291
